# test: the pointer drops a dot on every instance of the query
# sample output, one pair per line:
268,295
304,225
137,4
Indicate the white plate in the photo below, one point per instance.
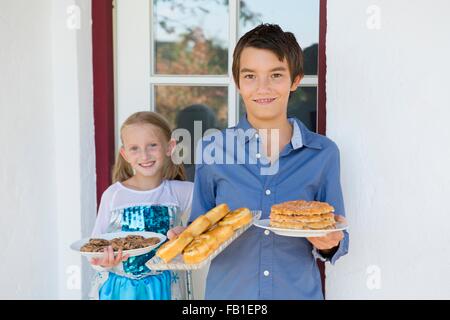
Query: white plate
109,236
265,224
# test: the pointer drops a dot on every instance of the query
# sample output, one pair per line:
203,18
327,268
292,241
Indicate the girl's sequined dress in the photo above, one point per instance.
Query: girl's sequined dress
156,210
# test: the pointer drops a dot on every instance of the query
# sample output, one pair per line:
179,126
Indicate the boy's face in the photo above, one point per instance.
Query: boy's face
265,84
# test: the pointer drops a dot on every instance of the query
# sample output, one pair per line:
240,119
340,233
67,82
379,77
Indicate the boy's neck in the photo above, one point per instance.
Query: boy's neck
142,183
282,124
284,135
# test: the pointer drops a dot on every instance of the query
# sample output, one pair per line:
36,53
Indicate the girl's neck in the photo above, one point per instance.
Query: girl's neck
142,183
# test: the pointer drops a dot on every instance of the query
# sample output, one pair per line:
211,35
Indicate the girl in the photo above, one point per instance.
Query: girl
149,194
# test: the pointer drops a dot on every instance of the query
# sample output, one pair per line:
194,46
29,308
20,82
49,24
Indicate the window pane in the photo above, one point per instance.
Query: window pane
182,105
170,100
191,37
302,105
300,17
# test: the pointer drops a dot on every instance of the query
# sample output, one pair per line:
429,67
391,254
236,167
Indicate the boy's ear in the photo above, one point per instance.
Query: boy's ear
296,82
171,146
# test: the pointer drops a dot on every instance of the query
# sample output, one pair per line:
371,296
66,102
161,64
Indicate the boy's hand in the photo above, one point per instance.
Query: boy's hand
175,232
108,260
331,240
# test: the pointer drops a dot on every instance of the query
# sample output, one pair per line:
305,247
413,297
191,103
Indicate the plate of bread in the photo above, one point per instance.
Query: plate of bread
203,239
300,218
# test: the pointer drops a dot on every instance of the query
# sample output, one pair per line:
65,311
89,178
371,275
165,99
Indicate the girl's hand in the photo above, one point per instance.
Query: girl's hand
175,232
108,260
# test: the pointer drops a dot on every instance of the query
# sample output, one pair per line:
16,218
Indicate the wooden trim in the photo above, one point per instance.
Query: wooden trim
103,69
322,70
322,96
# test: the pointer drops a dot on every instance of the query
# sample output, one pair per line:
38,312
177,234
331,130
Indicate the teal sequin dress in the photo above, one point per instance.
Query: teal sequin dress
156,210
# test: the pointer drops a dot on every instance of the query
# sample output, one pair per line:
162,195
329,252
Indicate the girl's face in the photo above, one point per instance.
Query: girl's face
145,149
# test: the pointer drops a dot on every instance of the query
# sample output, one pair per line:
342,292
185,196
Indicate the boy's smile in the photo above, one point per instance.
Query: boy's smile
265,84
264,101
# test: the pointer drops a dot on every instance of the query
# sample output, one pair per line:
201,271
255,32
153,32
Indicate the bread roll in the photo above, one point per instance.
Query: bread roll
210,240
221,233
197,251
198,226
174,247
217,213
237,218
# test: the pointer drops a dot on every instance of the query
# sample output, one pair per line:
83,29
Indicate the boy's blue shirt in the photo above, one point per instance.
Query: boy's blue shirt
258,265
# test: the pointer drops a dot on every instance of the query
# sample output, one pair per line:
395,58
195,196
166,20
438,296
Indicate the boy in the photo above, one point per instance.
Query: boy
267,66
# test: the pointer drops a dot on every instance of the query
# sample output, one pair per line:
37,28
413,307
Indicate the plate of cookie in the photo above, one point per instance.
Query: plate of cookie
300,218
132,243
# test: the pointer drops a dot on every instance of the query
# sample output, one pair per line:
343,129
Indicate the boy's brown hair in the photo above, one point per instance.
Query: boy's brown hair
271,37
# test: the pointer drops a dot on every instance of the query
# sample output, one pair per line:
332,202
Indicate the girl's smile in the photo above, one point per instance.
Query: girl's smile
147,164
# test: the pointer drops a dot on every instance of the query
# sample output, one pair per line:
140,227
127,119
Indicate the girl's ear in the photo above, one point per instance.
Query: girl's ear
171,146
122,153
296,83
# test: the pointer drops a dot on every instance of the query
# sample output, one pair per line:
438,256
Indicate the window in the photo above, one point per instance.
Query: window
176,55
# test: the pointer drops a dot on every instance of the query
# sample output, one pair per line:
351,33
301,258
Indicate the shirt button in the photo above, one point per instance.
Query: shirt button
266,232
268,192
266,273
258,155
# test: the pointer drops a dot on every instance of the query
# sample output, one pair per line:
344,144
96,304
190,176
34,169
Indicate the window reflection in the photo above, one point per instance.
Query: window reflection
191,37
183,105
303,105
300,17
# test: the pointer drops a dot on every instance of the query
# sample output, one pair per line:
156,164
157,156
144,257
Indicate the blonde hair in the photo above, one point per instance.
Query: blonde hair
123,171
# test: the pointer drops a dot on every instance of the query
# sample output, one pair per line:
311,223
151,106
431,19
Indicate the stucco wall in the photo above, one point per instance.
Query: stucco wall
74,140
27,177
47,169
388,110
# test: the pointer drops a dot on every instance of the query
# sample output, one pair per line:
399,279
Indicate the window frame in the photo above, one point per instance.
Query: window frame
146,68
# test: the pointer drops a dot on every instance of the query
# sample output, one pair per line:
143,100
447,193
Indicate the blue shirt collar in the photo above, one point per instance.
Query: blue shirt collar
301,136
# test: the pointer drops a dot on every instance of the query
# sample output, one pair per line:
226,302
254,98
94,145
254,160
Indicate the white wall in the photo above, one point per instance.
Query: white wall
388,110
74,140
47,177
27,178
